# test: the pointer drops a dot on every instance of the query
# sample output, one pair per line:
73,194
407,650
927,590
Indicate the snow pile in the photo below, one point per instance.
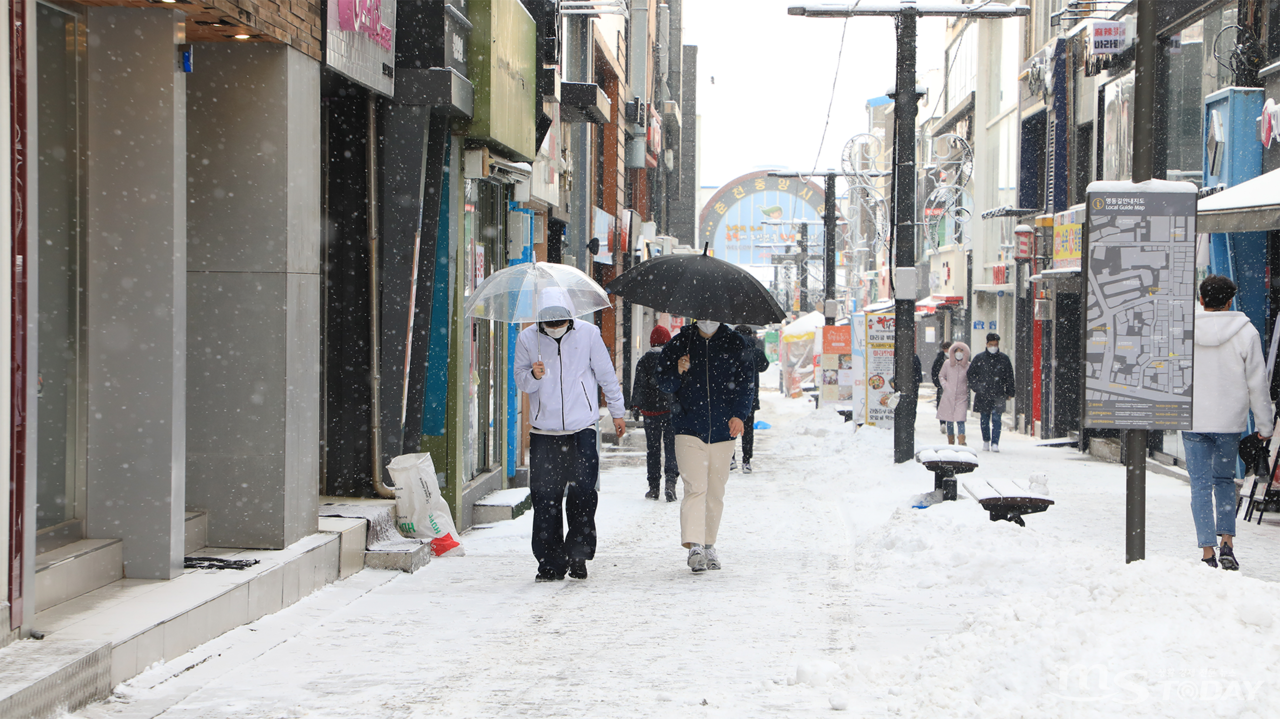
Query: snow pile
1071,631
1161,638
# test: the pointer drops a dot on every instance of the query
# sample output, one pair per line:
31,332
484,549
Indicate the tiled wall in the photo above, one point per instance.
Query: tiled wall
293,22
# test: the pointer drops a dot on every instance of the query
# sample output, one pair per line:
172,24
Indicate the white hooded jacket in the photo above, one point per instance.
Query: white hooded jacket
1230,375
566,398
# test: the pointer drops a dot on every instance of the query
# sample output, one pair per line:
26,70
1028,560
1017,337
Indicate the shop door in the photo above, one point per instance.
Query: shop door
488,358
60,340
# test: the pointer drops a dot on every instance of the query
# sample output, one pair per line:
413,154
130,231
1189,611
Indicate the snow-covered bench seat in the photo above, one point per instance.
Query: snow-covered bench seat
946,461
1007,499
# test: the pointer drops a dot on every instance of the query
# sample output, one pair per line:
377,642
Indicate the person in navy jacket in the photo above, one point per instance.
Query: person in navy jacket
707,368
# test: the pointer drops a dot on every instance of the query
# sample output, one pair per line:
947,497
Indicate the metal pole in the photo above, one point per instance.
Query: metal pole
904,180
802,266
1135,501
829,249
578,68
1144,92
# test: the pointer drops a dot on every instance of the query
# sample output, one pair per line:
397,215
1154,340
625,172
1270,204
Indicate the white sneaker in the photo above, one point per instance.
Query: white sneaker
697,559
995,448
713,559
733,463
986,446
942,428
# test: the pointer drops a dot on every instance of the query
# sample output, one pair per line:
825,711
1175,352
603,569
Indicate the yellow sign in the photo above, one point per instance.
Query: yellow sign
1068,237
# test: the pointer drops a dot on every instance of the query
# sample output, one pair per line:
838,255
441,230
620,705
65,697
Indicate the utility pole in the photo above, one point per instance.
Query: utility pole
905,100
905,97
1144,94
829,249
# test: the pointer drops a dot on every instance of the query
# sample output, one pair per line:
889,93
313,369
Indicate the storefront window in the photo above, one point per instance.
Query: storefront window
483,235
1194,73
60,390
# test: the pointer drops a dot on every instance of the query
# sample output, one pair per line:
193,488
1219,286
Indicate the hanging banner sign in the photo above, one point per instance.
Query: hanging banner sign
1140,272
1106,37
879,367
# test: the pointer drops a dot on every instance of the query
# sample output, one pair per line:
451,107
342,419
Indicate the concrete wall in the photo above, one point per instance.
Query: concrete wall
137,285
254,281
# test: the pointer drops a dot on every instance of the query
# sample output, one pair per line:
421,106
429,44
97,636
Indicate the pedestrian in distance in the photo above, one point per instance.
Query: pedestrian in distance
1230,378
707,368
562,365
991,379
937,365
655,406
760,361
953,405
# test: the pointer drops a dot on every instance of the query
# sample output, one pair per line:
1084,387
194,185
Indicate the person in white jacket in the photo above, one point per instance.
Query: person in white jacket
562,365
1229,379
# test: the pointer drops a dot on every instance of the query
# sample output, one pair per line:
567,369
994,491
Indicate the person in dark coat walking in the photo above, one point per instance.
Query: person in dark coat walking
937,367
655,406
760,361
991,379
706,367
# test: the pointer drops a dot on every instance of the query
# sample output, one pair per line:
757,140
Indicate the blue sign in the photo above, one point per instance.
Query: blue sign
979,325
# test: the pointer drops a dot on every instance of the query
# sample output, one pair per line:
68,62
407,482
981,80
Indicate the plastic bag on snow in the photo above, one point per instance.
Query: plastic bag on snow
420,510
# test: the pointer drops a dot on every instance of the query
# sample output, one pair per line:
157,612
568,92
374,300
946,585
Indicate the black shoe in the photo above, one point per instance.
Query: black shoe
1211,561
671,492
652,493
578,568
546,575
1227,558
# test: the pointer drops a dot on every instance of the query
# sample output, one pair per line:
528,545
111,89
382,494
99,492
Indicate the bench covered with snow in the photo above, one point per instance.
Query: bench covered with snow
1007,499
946,461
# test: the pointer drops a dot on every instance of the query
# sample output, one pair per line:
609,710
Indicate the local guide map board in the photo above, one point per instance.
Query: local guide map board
1139,276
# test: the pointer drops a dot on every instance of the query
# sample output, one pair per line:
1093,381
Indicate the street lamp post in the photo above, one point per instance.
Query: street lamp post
905,98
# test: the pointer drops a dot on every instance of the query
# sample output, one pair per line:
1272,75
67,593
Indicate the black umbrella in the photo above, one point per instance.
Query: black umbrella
698,286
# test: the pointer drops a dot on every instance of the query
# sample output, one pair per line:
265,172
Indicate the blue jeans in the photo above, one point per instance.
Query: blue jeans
990,424
1211,462
951,427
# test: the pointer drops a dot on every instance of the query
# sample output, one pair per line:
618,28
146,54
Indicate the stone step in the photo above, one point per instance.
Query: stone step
47,678
75,569
502,505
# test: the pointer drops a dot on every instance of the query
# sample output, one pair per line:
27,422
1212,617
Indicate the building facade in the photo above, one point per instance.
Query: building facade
238,240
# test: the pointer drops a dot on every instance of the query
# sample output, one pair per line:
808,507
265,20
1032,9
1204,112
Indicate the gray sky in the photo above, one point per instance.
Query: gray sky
773,77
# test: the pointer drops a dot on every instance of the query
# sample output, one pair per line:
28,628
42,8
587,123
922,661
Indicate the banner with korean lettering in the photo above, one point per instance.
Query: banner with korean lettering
879,367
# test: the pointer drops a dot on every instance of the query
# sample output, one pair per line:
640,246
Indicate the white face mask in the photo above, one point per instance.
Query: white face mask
556,332
959,356
708,327
993,350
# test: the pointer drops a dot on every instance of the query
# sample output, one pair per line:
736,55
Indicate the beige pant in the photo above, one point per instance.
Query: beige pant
705,470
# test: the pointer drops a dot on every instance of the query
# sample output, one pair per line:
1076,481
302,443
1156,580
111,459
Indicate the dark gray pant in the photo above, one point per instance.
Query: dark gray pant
556,463
659,436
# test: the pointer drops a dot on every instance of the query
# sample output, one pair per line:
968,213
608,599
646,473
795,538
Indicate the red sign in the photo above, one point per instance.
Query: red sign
837,340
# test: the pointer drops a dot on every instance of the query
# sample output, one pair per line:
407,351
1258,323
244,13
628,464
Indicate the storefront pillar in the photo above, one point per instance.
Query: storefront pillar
137,284
254,294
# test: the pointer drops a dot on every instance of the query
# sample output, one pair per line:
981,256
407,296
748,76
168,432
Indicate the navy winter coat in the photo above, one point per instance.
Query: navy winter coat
718,385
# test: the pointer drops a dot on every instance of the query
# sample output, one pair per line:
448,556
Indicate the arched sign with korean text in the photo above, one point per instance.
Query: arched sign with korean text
748,220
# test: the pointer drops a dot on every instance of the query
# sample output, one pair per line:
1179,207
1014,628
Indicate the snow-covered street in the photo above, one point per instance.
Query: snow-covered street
835,594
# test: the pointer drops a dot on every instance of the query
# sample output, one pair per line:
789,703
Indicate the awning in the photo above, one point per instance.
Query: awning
1251,206
933,303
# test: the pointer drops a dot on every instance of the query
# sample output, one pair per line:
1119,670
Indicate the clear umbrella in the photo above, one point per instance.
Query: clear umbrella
536,291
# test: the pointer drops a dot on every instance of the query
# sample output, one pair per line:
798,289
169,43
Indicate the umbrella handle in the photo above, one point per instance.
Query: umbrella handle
536,343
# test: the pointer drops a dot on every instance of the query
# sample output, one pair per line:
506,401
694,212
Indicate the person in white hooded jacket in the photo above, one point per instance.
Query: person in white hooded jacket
562,365
1229,379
